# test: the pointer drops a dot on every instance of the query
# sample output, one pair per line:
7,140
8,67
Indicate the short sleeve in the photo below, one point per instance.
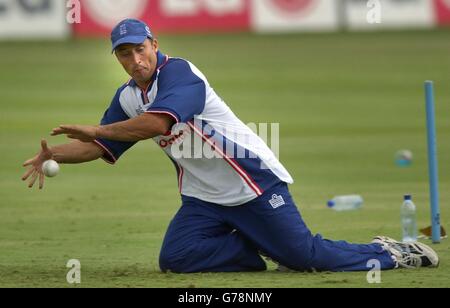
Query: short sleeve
181,93
114,149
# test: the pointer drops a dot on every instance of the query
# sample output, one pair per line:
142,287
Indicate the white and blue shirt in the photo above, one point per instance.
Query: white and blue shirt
242,166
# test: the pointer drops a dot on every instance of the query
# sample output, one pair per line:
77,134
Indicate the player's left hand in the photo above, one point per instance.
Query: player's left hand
80,132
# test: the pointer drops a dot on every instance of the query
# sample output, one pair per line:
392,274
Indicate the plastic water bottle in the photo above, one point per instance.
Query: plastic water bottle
346,203
409,224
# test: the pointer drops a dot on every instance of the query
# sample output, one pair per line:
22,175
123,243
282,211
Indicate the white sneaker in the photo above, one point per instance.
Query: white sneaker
409,255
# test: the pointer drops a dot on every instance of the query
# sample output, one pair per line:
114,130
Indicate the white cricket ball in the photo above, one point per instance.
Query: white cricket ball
50,168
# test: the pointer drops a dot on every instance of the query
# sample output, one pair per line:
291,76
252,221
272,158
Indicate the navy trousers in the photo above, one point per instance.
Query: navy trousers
206,237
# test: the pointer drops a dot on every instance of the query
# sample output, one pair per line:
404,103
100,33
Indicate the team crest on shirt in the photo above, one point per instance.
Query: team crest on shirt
277,201
140,110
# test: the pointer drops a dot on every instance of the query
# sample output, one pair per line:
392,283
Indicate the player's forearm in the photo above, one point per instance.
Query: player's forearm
140,128
76,152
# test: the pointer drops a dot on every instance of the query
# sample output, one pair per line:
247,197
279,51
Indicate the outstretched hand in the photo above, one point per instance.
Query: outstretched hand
80,132
35,163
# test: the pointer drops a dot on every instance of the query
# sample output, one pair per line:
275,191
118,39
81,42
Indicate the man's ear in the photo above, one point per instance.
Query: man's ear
155,45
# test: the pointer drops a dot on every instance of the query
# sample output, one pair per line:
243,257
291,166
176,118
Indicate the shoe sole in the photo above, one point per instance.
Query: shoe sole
430,253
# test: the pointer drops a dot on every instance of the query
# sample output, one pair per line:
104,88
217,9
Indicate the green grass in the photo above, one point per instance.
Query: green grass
346,104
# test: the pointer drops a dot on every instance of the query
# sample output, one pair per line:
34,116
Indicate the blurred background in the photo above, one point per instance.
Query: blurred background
344,78
80,18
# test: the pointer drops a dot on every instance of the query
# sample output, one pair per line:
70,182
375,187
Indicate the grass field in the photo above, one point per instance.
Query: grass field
345,103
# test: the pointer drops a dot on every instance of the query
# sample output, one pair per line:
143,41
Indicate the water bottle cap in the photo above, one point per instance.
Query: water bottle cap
408,197
331,203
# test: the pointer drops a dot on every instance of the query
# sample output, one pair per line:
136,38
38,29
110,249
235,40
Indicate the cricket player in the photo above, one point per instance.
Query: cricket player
235,208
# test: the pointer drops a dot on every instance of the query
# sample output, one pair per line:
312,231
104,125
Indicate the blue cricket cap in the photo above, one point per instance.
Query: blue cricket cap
130,31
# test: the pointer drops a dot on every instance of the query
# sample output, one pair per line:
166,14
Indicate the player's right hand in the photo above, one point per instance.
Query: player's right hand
35,163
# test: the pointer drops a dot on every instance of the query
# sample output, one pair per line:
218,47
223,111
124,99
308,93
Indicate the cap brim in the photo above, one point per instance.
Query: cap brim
129,40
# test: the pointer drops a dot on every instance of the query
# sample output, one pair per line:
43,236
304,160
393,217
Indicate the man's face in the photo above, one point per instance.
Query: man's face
139,60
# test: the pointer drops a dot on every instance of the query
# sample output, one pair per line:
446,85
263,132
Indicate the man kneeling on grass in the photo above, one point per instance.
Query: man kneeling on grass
234,209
